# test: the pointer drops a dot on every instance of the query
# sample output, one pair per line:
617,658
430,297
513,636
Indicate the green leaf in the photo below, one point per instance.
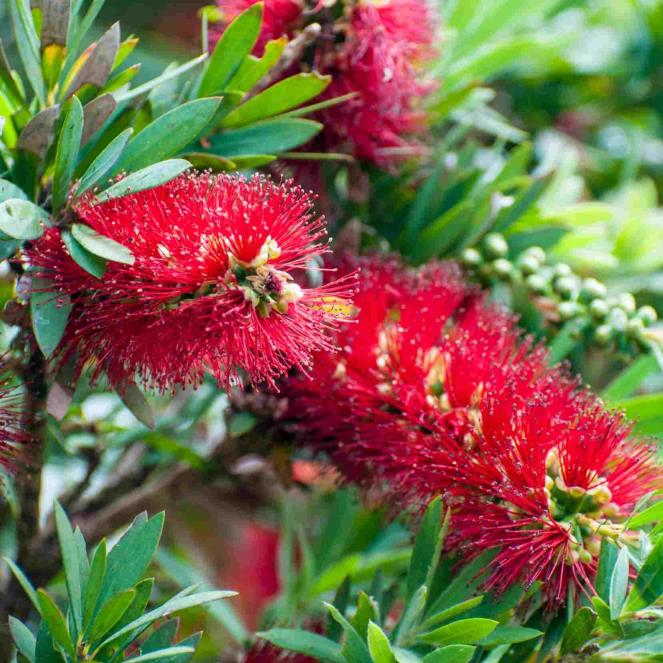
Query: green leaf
271,136
95,583
164,654
22,219
45,649
23,639
280,97
169,134
451,654
648,586
619,583
49,311
161,637
135,400
67,153
109,614
411,615
378,645
453,611
509,635
304,642
578,631
461,632
82,257
236,43
10,190
147,178
630,379
143,593
354,648
102,165
607,561
366,611
427,547
70,562
131,555
177,603
253,68
101,246
57,624
27,43
652,514
522,204
24,582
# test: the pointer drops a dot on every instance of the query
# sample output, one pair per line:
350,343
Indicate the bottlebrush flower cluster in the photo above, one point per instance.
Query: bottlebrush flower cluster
212,287
14,438
373,50
435,392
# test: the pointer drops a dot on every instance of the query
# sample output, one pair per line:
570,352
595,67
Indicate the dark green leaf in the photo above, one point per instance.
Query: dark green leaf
304,642
131,555
179,602
168,134
82,257
103,164
427,547
109,614
50,312
95,583
45,649
648,586
365,612
522,204
453,611
354,648
235,44
280,97
508,635
67,153
165,655
57,624
27,43
101,246
272,136
147,178
607,561
619,583
578,631
70,563
253,69
24,582
162,637
22,219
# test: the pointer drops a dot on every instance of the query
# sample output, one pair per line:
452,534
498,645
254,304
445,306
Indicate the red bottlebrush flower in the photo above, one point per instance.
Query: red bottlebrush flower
435,392
371,49
279,18
212,287
14,438
378,62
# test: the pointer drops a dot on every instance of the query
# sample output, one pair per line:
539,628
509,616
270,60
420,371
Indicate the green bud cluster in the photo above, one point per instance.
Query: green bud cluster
611,319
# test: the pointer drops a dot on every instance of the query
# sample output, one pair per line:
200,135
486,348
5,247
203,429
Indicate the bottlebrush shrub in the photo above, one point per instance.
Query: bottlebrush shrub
107,615
374,51
211,285
437,393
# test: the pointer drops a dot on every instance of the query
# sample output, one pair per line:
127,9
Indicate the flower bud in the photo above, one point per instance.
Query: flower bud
537,284
471,258
562,269
495,245
565,285
618,319
626,301
528,264
502,268
593,289
603,334
647,314
599,309
536,253
567,310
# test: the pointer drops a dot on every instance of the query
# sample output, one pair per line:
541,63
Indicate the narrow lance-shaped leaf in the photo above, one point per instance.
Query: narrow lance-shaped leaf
168,134
67,153
235,44
50,312
101,246
147,178
70,563
57,624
